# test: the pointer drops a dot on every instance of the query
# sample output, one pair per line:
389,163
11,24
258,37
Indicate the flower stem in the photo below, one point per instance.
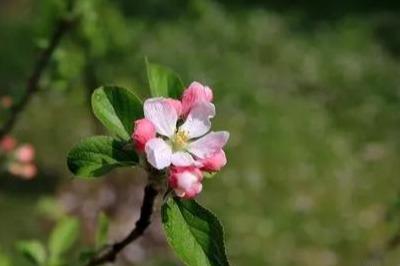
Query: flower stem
146,211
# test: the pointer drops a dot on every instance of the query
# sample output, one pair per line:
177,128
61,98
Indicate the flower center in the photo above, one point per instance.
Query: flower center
179,140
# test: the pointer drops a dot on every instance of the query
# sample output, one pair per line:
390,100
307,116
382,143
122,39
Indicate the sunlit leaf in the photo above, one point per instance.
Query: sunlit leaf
97,155
194,233
163,81
117,108
102,230
63,237
33,251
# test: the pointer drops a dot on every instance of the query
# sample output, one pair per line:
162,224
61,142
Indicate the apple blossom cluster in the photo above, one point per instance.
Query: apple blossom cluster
175,135
18,159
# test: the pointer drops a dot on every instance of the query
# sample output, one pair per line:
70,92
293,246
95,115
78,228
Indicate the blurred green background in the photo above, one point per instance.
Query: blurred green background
309,90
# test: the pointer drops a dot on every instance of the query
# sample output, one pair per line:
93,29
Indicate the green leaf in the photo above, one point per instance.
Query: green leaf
163,81
86,255
102,230
4,260
62,238
117,108
33,251
194,233
97,155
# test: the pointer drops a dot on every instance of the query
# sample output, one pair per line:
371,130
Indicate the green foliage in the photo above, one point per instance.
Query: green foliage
195,233
103,224
163,82
85,255
117,108
97,155
4,260
62,239
33,251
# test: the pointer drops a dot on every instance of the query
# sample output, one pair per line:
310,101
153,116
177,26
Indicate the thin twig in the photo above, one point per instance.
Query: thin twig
146,211
32,85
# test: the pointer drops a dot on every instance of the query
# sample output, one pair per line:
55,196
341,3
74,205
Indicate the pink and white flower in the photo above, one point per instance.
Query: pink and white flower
186,181
175,135
182,145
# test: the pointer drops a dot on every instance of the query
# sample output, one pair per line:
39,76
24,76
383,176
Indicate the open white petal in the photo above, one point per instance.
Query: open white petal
209,144
158,153
182,159
198,121
162,114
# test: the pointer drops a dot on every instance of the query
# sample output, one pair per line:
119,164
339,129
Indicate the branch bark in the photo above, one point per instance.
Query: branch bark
146,211
32,85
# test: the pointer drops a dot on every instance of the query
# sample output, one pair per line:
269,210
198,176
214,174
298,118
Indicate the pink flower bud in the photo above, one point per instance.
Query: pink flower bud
186,181
7,143
195,93
25,171
15,168
6,101
144,131
176,104
214,163
28,171
25,153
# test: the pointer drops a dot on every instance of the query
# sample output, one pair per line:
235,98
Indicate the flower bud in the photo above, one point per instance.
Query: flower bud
7,143
25,153
28,171
144,131
186,181
25,171
214,163
195,93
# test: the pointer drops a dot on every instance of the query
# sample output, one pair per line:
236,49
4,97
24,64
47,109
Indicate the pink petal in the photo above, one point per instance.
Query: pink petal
209,144
7,143
215,162
158,153
176,104
143,132
186,181
193,191
25,153
162,114
194,94
198,121
182,158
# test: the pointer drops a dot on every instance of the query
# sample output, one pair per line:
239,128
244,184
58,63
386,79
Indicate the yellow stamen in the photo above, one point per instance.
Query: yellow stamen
179,141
